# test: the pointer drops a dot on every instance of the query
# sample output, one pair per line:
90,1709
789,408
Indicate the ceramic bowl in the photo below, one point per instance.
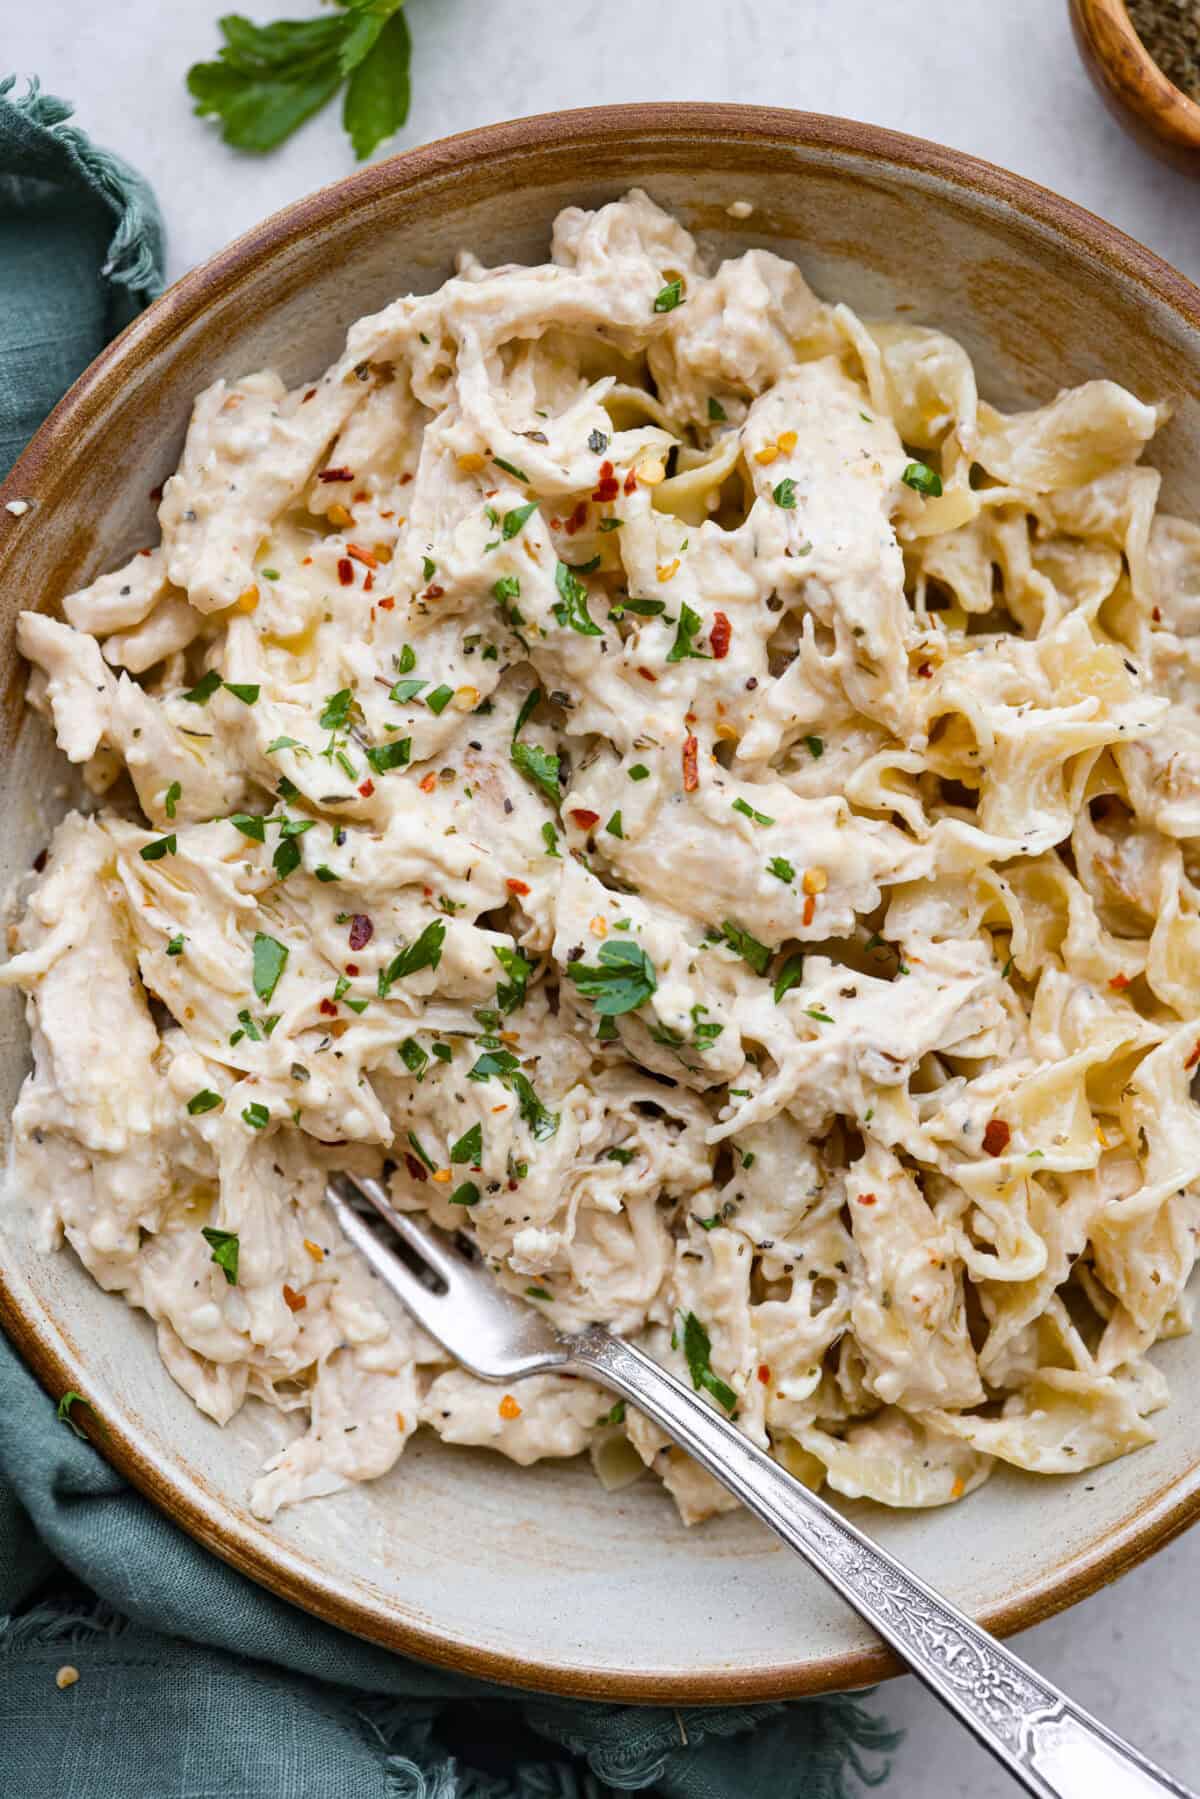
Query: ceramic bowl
1163,119
538,1577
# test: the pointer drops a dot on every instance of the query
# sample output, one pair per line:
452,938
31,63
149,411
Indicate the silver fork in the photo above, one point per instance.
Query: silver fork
1048,1743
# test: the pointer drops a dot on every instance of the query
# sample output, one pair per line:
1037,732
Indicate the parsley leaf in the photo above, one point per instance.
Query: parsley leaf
690,625
669,297
391,755
716,411
469,1148
225,1250
623,979
573,608
510,994
698,1349
816,747
539,766
781,868
337,710
788,976
510,468
784,494
204,1101
270,960
162,846
172,798
379,91
466,1195
256,1116
247,692
513,521
426,952
748,948
922,479
204,689
747,811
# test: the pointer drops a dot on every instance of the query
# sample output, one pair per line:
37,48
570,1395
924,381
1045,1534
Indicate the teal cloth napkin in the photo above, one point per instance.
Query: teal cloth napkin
193,1682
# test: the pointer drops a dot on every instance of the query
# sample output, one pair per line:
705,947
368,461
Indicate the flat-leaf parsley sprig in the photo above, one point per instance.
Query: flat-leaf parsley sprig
267,79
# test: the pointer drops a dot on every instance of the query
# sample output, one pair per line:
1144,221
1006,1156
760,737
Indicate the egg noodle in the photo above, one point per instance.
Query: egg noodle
704,803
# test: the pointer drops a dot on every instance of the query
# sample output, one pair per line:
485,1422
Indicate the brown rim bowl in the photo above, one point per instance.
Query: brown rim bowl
1162,118
536,1577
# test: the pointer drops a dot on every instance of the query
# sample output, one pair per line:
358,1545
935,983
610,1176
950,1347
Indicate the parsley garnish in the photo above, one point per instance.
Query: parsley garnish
781,868
390,755
270,960
172,798
406,690
439,699
251,825
426,952
324,873
162,846
747,947
510,468
267,79
614,826
639,772
784,494
747,811
287,857
414,1057
537,1293
623,1156
204,1101
175,946
698,1350
623,979
716,411
816,1012
285,743
550,839
572,609
513,521
256,1116
528,706
225,1250
204,689
539,766
469,1149
246,692
922,479
669,297
466,1195
336,711
407,659
420,1150
816,747
510,994
690,624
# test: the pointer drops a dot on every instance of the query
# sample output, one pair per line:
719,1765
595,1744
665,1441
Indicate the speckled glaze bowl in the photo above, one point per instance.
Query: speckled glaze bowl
537,1576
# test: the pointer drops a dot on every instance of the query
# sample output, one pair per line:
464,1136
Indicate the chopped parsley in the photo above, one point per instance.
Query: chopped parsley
466,1195
550,839
510,994
748,948
256,1116
439,699
514,521
623,979
270,960
204,1101
162,846
816,1012
716,411
251,825
285,743
669,297
204,689
390,755
614,826
426,952
406,661
690,625
413,1057
784,494
816,747
172,798
225,1250
175,946
469,1148
623,1156
528,706
747,811
922,479
324,873
697,1348
421,1152
781,868
406,690
287,857
537,1293
336,712
246,692
510,468
539,766
572,606
639,772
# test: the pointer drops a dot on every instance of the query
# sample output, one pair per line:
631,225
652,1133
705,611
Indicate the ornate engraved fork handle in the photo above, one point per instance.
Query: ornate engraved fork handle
1052,1746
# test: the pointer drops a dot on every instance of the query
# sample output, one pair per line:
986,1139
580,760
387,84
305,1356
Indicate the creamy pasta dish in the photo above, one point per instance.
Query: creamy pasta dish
707,806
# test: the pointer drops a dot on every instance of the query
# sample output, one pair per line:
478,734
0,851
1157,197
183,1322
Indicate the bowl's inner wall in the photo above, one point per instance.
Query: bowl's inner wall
464,1549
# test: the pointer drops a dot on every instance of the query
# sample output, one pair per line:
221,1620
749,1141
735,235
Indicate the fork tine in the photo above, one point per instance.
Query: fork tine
431,1246
426,1307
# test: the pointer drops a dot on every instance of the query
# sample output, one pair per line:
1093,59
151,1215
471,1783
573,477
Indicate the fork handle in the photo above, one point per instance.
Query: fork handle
1052,1746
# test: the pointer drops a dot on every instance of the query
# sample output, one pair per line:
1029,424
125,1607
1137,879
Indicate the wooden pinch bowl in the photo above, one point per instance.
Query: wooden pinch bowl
1133,87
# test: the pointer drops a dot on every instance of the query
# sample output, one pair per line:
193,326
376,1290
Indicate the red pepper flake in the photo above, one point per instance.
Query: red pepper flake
691,768
866,1199
925,671
366,788
360,498
345,570
577,520
1156,615
1119,983
368,581
360,555
361,931
520,888
719,636
647,674
609,486
427,783
583,818
328,1007
631,481
433,592
405,479
145,552
415,1167
386,603
556,524
764,1374
996,1137
156,493
351,967
335,474
295,1302
305,561
40,861
1193,1058
310,395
